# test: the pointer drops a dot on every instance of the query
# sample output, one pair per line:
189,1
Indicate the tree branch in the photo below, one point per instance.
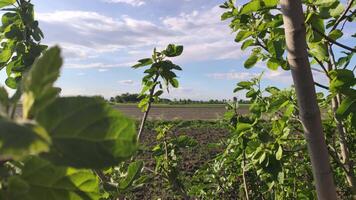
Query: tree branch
333,41
343,15
321,86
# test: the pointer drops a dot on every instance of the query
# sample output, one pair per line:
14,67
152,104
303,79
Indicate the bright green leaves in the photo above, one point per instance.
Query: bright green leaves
330,8
38,83
87,133
161,73
347,106
279,153
263,33
242,35
319,51
257,5
251,6
247,43
20,140
4,3
316,28
241,127
133,172
342,80
325,3
336,34
80,132
143,62
173,50
276,48
251,61
271,3
21,38
40,180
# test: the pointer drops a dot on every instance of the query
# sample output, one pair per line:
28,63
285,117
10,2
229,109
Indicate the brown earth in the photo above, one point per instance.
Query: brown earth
176,112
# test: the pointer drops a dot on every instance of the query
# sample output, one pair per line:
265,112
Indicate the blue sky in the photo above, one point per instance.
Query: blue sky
101,39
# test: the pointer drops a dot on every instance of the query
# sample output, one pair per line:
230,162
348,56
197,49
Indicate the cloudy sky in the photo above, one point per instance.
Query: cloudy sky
101,39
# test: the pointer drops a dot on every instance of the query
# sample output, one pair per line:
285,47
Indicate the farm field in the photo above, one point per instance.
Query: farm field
99,102
179,112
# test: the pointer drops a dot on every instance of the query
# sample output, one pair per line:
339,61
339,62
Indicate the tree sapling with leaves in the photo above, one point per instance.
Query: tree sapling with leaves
160,74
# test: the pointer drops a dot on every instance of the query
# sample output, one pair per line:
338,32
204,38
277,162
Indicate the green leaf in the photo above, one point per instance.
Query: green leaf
87,133
174,82
143,62
247,43
184,141
4,3
335,34
279,153
251,61
273,64
173,50
250,7
262,158
270,3
133,172
226,15
347,106
243,35
341,79
5,55
325,3
336,12
38,83
243,127
275,47
11,82
245,84
40,180
20,140
319,50
317,23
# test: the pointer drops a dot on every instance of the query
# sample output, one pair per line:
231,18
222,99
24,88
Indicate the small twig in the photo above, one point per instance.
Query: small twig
261,45
343,15
321,86
322,66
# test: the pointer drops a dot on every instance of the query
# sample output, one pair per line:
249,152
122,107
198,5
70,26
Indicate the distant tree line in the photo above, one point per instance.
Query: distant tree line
135,98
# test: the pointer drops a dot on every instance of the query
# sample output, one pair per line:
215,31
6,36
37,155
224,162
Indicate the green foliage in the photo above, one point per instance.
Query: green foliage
97,140
258,26
21,40
42,180
160,73
56,134
265,152
167,154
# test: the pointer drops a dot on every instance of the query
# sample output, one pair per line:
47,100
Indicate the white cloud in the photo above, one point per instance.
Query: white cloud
103,70
127,82
97,65
130,2
278,76
232,75
85,35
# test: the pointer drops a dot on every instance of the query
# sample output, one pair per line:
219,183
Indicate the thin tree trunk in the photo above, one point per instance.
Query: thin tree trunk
145,115
344,151
244,175
304,84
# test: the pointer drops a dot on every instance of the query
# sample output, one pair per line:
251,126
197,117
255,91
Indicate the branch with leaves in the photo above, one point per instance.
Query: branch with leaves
159,75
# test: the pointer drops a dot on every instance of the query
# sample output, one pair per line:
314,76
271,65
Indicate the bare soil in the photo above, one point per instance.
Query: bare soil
178,113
